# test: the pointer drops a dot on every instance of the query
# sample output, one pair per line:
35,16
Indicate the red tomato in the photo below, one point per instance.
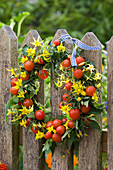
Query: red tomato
35,129
14,91
68,85
56,42
48,135
43,74
90,90
78,73
40,60
74,114
39,115
56,123
87,120
27,102
56,137
62,103
49,124
29,65
71,124
60,129
85,109
66,63
65,97
64,120
12,82
28,121
80,60
25,78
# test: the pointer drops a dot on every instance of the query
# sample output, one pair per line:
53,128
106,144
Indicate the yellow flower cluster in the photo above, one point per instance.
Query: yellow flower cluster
78,89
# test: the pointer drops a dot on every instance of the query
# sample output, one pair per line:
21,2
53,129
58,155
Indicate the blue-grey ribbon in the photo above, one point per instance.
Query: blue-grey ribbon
80,45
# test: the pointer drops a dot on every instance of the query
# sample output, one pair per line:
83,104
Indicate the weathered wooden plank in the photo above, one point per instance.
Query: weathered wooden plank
104,140
110,103
32,148
9,140
90,150
58,162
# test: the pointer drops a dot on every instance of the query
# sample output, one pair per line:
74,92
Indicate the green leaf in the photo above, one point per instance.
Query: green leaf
6,111
71,139
95,125
86,103
66,133
31,115
76,124
15,100
47,146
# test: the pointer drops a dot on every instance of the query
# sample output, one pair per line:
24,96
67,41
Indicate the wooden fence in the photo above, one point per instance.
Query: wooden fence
90,147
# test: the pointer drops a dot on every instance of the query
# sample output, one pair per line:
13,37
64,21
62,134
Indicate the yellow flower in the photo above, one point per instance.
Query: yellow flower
87,78
39,135
95,97
97,76
43,124
12,72
85,134
65,109
78,99
51,129
23,123
21,94
98,85
59,83
36,42
80,133
61,47
66,125
25,111
35,60
24,59
104,120
46,55
31,52
102,67
61,67
91,115
23,74
18,84
68,151
39,125
78,88
10,112
91,68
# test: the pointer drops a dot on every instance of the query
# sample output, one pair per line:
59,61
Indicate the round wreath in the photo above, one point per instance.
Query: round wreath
79,104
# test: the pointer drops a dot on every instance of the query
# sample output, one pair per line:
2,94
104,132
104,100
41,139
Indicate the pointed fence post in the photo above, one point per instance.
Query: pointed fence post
90,153
110,103
57,161
9,136
32,148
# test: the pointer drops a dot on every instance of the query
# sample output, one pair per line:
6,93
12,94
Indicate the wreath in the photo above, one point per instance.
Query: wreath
79,104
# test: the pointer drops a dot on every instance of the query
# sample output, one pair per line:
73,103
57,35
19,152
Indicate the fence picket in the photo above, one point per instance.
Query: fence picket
32,148
110,104
9,136
58,162
90,150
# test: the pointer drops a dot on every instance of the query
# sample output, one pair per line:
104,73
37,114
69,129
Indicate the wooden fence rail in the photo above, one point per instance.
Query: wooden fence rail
90,148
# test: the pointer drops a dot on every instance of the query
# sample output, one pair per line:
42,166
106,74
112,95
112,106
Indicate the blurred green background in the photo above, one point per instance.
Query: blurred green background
78,17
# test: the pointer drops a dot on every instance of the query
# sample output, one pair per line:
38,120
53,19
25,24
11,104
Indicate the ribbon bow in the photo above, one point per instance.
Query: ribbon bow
79,44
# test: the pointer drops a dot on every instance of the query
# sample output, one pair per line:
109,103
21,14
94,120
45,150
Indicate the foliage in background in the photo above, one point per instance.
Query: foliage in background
77,17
